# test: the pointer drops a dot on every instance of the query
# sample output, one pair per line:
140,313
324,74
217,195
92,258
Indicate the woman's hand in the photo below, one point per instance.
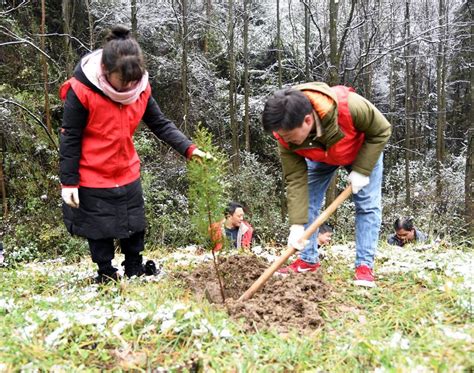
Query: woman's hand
70,196
202,155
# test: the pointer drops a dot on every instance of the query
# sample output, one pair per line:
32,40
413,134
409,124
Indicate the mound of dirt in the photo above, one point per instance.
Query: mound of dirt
284,303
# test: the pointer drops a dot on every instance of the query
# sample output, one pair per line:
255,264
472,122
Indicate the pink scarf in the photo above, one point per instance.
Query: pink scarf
126,97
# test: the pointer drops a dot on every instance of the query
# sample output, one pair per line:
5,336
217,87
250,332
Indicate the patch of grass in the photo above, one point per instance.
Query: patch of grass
54,318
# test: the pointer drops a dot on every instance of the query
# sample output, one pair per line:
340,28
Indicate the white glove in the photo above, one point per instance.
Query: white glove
203,155
358,181
70,196
294,239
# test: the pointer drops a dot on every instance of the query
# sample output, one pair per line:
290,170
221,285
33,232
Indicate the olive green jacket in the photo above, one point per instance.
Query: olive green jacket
366,118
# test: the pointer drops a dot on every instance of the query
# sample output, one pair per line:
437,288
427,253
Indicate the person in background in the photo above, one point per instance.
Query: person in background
318,129
325,234
406,232
236,230
104,102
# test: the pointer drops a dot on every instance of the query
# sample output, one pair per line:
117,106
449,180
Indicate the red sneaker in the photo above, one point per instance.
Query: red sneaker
299,266
364,276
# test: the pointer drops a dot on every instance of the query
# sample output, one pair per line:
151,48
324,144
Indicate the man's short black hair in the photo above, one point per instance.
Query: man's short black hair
231,207
324,228
405,223
286,110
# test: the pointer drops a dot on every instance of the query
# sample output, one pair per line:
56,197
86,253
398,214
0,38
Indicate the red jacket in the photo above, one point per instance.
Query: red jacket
244,236
108,156
343,152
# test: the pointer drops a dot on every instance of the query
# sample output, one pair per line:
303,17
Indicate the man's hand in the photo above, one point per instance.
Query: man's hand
202,155
70,196
294,239
358,181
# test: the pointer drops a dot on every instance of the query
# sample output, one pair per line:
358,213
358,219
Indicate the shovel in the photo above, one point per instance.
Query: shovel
290,251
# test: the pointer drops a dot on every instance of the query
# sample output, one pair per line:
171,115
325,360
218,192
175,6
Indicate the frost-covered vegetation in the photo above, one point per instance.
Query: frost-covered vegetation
418,319
372,58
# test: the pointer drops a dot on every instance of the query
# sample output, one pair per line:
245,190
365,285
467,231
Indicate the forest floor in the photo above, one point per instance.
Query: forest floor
418,318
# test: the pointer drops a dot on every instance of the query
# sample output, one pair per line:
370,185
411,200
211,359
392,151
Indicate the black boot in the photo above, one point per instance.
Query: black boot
134,266
150,268
107,273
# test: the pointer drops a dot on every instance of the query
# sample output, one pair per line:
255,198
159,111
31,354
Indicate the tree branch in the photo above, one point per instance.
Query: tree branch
24,2
4,101
21,40
319,33
69,36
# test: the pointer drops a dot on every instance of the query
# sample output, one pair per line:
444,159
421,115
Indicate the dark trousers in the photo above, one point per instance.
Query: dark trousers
102,251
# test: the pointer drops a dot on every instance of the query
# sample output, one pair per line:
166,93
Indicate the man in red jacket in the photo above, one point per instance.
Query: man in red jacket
320,128
237,231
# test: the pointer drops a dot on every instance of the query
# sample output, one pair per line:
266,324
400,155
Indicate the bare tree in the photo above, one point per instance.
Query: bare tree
307,35
133,17
208,11
44,64
3,188
441,96
246,75
232,84
68,7
90,24
469,183
184,62
279,45
408,102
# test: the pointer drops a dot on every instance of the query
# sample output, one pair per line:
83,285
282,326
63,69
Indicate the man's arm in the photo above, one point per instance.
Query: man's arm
393,240
377,129
295,174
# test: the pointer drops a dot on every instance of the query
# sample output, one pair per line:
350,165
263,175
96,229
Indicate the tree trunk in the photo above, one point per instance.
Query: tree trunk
279,47
3,188
133,8
91,24
331,193
246,76
407,107
67,8
392,91
233,121
184,63
307,33
44,63
469,184
208,9
441,99
333,44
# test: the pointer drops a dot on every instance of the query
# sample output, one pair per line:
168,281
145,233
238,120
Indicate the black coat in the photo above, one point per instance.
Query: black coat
107,212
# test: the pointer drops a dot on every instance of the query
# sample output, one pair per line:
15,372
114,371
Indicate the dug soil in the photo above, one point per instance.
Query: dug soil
292,302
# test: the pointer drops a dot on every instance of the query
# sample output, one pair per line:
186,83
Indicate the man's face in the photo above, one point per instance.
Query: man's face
299,134
324,238
236,218
405,236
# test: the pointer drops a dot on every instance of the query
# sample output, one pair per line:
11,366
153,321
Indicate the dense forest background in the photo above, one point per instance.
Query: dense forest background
214,63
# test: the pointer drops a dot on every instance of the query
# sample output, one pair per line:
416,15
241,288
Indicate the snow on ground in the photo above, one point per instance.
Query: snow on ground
454,266
422,260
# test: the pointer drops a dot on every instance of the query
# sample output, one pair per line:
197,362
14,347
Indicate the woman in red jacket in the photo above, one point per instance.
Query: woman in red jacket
99,167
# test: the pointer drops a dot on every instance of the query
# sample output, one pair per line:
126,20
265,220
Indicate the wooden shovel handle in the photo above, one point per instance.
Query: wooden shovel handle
290,251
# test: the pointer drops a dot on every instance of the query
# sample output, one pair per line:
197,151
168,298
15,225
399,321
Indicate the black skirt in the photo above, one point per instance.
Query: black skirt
107,212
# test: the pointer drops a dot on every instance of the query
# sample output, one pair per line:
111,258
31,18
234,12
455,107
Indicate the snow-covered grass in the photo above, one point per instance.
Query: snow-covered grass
417,319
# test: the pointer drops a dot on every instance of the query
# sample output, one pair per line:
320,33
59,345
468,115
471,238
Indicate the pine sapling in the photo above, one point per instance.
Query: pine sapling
207,195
